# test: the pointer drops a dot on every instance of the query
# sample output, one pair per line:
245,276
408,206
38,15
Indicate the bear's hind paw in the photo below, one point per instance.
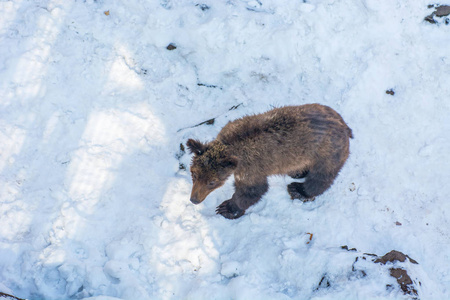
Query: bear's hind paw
229,210
297,191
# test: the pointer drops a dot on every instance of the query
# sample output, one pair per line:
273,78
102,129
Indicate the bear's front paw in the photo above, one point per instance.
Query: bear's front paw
229,210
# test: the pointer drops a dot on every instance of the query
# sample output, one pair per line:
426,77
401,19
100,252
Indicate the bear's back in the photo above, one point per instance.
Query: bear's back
288,137
298,122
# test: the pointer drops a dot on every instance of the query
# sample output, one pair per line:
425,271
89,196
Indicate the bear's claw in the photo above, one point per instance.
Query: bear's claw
229,210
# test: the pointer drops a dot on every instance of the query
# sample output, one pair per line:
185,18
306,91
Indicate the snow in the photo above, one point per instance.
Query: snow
94,205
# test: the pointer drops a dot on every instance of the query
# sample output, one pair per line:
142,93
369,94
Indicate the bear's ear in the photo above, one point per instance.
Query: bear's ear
229,162
196,147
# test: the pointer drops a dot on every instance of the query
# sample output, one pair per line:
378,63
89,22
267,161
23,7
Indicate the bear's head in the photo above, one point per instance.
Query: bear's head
210,168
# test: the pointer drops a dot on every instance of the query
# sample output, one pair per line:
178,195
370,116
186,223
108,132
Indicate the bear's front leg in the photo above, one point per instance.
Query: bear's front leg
246,195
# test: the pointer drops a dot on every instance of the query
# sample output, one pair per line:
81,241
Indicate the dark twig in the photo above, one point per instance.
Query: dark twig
210,121
3,295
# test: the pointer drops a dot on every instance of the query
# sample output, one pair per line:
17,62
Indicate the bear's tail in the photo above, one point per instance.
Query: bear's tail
349,132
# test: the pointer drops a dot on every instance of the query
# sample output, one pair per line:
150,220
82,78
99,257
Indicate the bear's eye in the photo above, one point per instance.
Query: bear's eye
194,176
211,184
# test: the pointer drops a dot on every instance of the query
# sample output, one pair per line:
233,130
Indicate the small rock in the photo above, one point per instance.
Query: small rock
171,47
398,223
442,11
390,92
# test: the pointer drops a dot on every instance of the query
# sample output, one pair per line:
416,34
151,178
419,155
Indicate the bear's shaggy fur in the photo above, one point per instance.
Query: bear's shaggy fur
309,141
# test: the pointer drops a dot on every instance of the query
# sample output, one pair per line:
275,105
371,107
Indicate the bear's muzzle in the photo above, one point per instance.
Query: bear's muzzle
199,193
195,201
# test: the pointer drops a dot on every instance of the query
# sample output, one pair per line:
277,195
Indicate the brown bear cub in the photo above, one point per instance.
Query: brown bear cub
309,141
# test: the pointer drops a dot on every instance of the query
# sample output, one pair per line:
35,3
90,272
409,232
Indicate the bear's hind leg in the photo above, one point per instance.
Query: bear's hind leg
315,184
244,197
297,191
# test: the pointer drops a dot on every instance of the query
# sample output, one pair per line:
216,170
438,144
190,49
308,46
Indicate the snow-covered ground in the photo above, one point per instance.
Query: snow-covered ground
93,203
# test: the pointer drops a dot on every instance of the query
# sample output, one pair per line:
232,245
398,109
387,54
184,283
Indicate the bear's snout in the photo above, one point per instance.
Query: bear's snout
199,193
195,201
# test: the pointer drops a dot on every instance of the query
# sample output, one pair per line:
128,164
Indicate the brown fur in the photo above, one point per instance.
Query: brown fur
310,141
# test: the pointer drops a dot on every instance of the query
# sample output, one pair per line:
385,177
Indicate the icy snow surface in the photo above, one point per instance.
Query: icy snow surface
93,204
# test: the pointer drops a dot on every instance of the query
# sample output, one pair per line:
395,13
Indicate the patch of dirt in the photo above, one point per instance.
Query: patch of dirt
394,258
440,11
